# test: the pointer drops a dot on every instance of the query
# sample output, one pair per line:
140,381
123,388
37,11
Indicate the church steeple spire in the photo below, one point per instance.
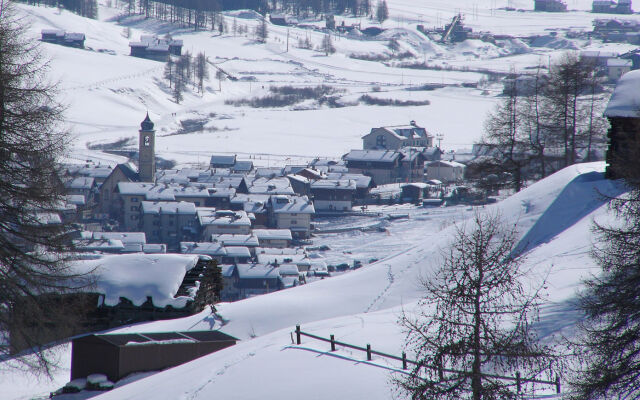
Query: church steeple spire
146,151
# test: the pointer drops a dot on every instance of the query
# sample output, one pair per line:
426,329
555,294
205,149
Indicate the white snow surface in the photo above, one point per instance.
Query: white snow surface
553,216
136,276
625,101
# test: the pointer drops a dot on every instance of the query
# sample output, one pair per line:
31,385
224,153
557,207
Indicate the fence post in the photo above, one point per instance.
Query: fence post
518,381
404,360
368,352
557,383
298,339
333,343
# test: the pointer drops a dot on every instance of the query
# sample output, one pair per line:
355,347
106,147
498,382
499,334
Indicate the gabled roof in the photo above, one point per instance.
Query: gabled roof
221,160
236,240
373,155
206,248
257,271
129,172
272,234
291,204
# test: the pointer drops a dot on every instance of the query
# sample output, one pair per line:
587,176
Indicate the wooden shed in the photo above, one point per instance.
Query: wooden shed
118,355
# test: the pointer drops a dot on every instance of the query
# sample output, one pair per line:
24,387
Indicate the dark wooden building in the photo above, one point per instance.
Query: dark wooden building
118,355
623,112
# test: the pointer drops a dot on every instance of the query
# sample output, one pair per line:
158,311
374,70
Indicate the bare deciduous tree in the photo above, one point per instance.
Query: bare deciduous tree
475,320
34,245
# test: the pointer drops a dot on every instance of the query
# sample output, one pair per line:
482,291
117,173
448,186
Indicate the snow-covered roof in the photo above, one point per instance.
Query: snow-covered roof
82,182
168,207
362,181
236,240
266,172
125,237
372,155
238,251
272,234
257,271
207,248
207,216
288,270
221,160
281,204
335,184
138,276
625,100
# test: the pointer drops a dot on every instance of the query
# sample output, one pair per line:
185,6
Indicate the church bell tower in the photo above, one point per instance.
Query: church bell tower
146,151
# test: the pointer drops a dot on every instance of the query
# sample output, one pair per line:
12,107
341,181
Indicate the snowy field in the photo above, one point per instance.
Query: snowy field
108,93
553,217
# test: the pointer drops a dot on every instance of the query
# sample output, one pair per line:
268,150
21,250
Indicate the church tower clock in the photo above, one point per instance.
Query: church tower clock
146,151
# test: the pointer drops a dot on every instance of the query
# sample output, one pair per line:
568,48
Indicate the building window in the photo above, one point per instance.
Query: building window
134,208
381,141
197,203
294,222
134,199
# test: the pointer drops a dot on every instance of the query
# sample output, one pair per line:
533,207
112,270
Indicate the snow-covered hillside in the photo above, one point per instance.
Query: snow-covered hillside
553,217
108,92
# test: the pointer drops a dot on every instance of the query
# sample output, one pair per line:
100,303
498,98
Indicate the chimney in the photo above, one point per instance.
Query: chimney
413,123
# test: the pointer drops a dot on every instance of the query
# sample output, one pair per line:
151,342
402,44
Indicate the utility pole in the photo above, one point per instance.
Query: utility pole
439,138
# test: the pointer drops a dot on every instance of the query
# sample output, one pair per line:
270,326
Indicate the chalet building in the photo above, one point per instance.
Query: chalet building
119,355
252,204
256,279
277,238
212,221
549,5
168,222
396,137
623,114
117,298
222,161
383,166
132,193
109,204
291,212
153,48
364,183
61,37
333,195
611,7
445,171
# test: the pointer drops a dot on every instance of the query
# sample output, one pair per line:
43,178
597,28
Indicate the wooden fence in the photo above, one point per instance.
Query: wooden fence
405,361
